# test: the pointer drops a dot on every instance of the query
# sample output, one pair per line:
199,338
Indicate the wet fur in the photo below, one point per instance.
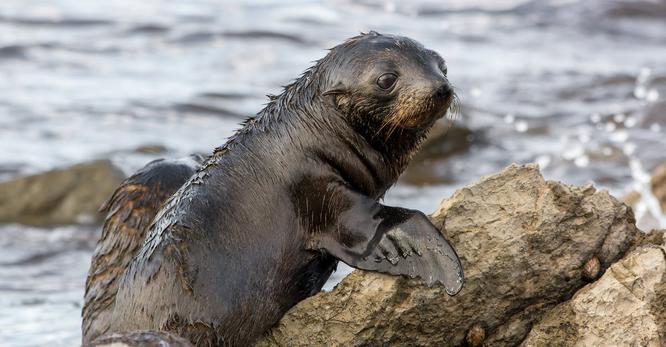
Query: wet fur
129,212
227,255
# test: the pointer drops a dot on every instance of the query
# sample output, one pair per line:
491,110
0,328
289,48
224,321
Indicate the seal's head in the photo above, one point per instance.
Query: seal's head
385,83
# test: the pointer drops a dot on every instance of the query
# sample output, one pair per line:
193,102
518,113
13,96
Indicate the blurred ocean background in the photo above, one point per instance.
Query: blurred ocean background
578,87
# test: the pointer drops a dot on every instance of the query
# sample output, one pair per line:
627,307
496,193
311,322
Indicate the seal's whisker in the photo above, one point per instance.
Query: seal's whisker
394,126
455,108
389,121
385,123
392,122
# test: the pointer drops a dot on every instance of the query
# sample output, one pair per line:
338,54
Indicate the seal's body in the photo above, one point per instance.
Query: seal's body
263,222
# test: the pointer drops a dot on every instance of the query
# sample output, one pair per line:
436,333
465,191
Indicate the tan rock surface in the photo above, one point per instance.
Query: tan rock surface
61,196
523,242
625,307
658,184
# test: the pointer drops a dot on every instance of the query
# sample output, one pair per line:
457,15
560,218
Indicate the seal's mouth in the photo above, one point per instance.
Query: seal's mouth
419,110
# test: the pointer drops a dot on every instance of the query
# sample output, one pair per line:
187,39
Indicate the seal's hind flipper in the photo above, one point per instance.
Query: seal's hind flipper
130,210
391,240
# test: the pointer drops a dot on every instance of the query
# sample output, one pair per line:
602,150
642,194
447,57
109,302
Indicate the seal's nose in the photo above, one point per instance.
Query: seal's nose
443,89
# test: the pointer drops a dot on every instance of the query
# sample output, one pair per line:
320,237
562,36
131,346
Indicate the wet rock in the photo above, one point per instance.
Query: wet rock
625,307
141,339
444,140
151,149
523,241
658,184
62,196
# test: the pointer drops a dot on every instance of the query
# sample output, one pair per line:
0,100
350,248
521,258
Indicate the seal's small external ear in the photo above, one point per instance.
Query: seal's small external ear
336,95
337,89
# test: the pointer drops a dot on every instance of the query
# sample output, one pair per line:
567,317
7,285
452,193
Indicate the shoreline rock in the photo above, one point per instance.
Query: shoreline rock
70,195
626,306
649,202
524,242
658,185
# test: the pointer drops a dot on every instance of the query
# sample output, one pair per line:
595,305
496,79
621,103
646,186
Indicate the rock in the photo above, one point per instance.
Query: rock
151,149
523,242
141,339
631,198
444,140
649,204
625,307
658,184
655,237
61,196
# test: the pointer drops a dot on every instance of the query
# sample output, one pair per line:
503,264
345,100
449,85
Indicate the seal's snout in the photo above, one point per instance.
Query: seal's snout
443,90
440,93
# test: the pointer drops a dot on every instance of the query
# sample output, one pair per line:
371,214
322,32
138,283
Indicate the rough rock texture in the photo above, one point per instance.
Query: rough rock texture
523,242
625,307
141,339
658,184
62,196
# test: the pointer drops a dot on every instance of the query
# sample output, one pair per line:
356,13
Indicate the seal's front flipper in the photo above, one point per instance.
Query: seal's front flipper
392,240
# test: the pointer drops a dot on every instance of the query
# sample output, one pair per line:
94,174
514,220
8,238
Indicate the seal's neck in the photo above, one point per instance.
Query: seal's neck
397,145
369,157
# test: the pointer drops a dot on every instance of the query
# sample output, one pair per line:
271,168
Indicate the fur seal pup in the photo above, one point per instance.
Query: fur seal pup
261,225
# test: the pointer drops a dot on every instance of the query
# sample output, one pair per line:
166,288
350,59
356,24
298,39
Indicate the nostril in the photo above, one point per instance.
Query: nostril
444,90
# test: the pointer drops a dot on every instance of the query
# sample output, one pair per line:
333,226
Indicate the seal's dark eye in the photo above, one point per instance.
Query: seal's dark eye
444,69
387,80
